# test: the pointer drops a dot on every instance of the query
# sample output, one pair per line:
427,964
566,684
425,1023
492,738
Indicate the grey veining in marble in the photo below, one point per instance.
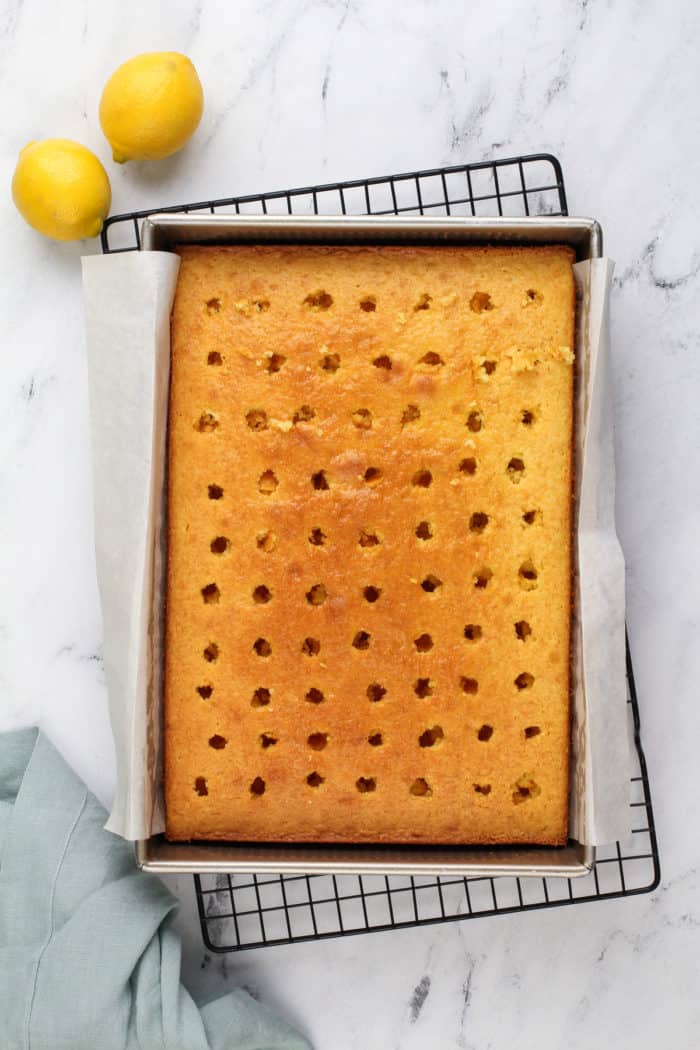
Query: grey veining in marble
302,91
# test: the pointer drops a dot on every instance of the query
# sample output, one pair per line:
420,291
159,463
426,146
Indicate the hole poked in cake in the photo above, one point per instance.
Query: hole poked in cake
362,419
470,686
261,697
317,741
432,737
423,303
480,302
260,305
266,740
527,576
523,630
365,785
218,742
319,300
515,469
257,787
330,362
478,521
219,545
214,358
303,415
533,296
423,643
317,594
266,541
375,692
262,647
211,594
215,492
314,695
431,583
482,578
317,537
488,367
315,779
424,530
474,421
431,360
468,466
262,594
473,632
371,594
311,647
422,479
213,305
369,538
200,786
383,361
361,640
206,423
205,691
210,652
256,419
531,516
482,789
267,482
528,417
484,733
319,481
420,788
423,687
372,475
531,731
524,789
410,414
524,681
274,362
375,738
368,304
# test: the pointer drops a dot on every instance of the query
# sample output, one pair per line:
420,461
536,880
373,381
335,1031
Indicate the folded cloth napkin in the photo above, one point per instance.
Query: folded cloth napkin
87,958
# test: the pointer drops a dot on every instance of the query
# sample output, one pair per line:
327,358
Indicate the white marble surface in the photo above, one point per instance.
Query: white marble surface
306,91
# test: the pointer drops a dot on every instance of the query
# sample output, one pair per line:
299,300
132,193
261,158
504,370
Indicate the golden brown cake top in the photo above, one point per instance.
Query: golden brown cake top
369,544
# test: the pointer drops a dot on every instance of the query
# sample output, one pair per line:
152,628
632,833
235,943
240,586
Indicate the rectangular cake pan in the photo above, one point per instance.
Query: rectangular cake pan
156,854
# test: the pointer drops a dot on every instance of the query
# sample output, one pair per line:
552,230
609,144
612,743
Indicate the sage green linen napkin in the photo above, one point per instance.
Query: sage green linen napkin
87,957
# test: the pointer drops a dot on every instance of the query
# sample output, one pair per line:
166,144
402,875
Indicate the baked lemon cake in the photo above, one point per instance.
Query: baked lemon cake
369,544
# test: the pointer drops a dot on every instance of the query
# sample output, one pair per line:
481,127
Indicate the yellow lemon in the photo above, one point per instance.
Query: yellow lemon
150,106
61,189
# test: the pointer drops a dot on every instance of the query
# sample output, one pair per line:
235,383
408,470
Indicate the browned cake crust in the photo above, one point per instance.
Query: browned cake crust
369,571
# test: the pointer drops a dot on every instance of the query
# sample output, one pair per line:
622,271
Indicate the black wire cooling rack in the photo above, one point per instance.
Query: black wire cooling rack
249,911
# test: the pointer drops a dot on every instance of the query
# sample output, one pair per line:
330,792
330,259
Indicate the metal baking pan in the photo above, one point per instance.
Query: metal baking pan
162,233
